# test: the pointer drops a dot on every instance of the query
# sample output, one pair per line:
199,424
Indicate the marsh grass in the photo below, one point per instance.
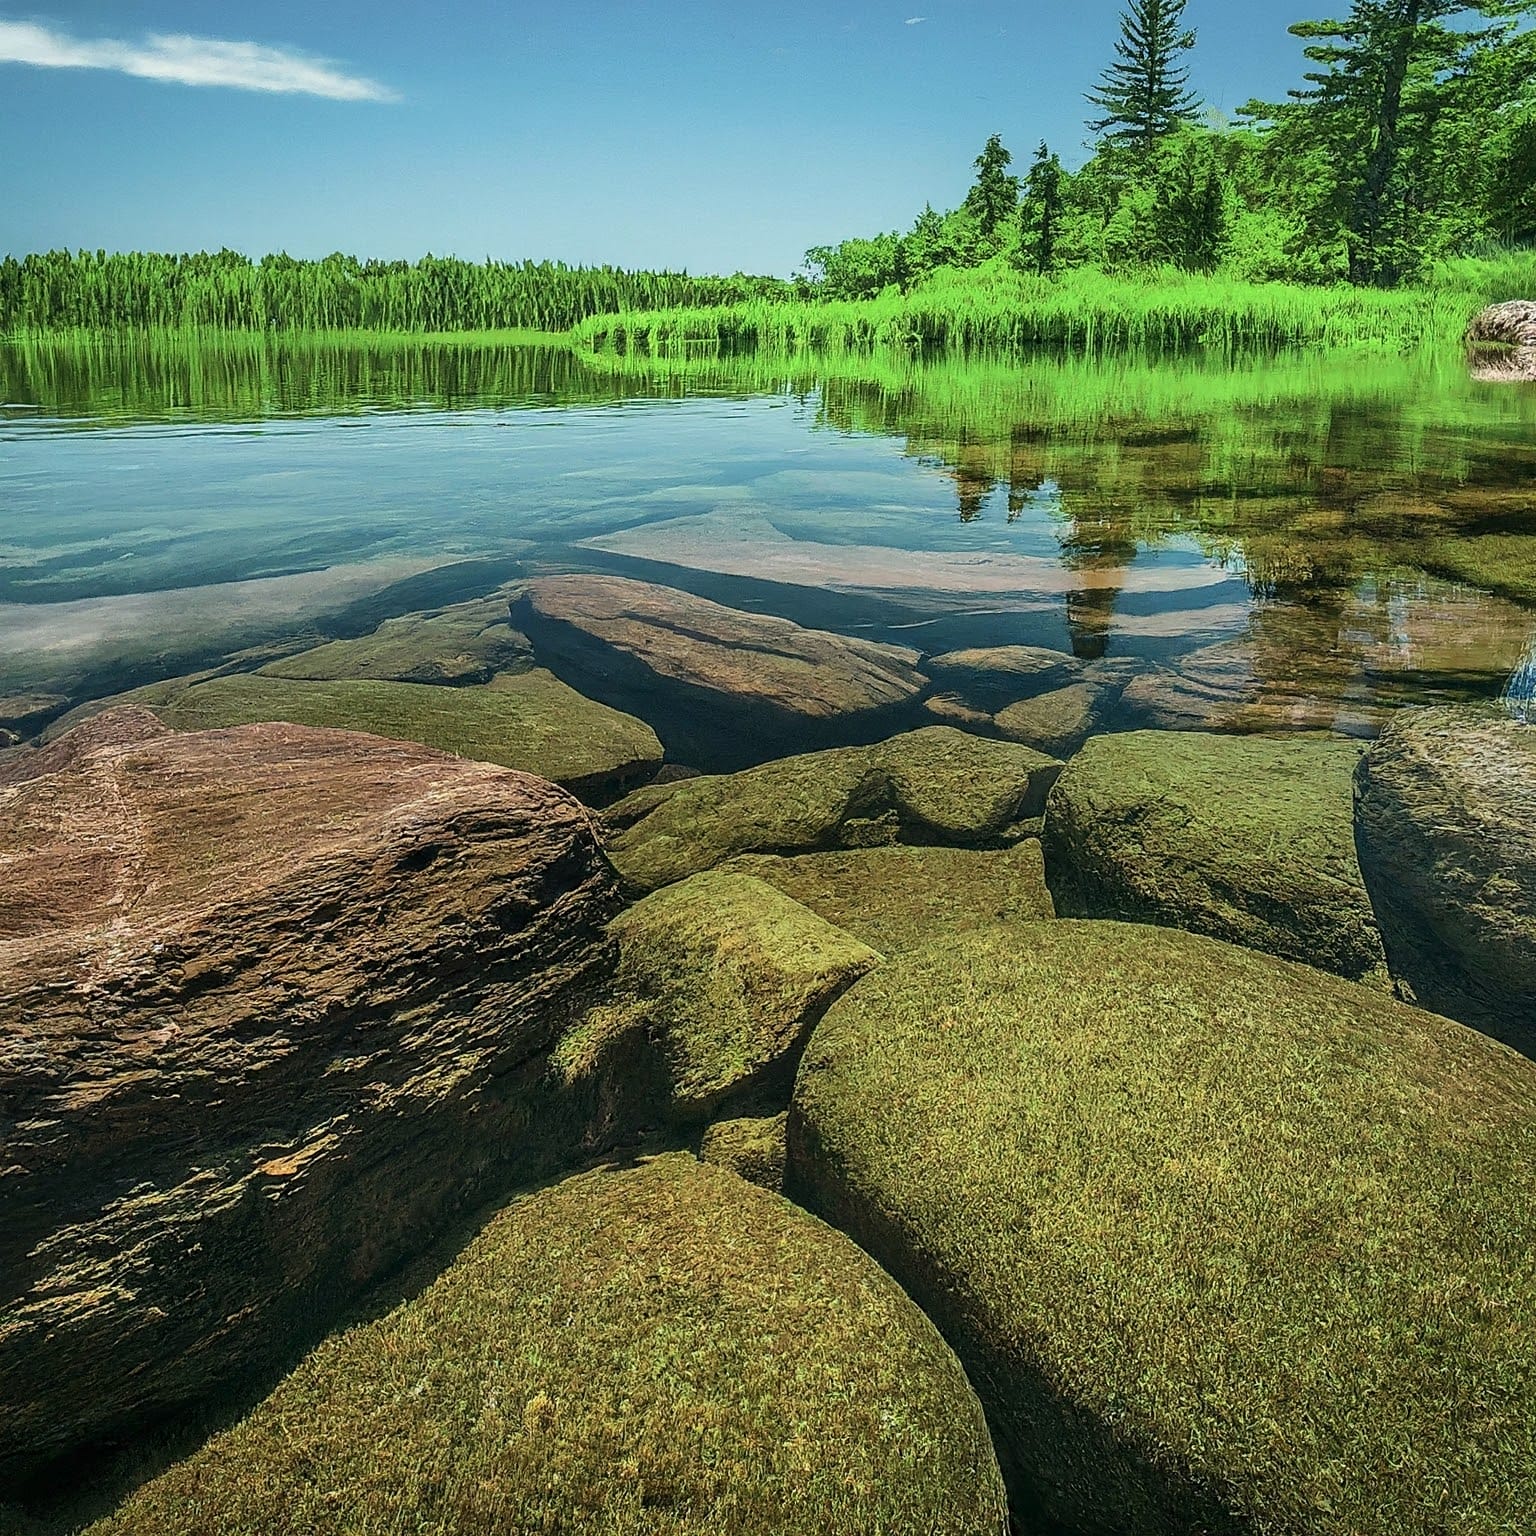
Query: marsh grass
1086,310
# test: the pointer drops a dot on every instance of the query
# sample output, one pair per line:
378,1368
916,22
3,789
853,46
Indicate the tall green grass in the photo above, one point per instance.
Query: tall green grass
997,307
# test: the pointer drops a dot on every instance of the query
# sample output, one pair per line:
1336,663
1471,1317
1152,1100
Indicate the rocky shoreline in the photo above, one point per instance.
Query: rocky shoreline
1175,1088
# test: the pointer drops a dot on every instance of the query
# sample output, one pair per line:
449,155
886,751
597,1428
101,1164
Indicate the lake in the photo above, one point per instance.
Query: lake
1292,542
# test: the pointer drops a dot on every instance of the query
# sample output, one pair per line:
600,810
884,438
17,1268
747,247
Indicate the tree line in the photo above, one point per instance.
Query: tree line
226,290
1411,140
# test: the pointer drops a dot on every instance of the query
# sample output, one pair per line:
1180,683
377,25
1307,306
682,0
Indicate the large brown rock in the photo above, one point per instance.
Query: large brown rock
1445,825
722,687
1502,341
270,998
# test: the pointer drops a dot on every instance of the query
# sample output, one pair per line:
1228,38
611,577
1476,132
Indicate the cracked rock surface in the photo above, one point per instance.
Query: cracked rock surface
275,1000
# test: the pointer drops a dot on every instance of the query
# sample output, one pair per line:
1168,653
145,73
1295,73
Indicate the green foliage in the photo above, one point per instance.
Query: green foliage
995,196
1144,93
1041,213
228,291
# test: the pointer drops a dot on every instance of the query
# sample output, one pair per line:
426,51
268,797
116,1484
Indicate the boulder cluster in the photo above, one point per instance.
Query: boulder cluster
963,1127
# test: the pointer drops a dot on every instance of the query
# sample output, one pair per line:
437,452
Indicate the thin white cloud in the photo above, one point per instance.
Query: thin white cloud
913,21
188,60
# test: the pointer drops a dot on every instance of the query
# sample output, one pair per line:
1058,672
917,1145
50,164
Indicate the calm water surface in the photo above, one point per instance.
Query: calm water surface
1293,542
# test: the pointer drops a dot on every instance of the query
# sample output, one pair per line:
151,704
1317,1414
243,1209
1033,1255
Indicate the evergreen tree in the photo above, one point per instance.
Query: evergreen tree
1041,213
995,195
1144,94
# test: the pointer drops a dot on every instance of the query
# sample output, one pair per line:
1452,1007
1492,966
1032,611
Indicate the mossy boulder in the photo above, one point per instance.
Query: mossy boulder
895,897
993,676
1249,839
752,1147
465,643
526,720
1445,822
1226,1243
663,1350
936,785
720,980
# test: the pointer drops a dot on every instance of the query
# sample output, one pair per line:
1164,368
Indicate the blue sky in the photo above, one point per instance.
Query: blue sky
683,133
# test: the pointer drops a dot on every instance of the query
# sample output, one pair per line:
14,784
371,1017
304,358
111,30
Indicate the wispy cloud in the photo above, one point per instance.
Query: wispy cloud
914,21
188,60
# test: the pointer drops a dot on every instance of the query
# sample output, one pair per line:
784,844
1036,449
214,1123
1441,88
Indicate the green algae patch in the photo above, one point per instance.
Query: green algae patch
1226,1243
935,785
720,980
465,643
752,1147
1244,838
896,897
663,1350
1054,722
526,720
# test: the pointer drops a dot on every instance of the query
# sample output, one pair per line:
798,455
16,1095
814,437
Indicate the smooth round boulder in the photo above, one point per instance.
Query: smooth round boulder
1226,1243
1245,838
664,1350
1445,823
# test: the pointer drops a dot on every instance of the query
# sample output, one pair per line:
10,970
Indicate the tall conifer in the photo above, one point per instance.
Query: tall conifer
1144,94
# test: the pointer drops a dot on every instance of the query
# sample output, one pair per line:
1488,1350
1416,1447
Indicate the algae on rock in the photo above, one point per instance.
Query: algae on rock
720,980
1244,838
898,896
662,1350
1226,1243
752,1147
935,785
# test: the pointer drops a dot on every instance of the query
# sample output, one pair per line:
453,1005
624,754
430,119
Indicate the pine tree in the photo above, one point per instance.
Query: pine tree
1144,94
995,195
1040,215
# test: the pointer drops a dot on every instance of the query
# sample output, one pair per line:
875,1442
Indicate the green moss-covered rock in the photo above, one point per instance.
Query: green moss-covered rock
935,785
1445,822
895,897
527,720
753,1148
1227,1244
720,980
1249,839
465,643
662,1350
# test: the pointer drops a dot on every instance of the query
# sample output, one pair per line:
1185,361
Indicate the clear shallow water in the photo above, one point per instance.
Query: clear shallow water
1324,538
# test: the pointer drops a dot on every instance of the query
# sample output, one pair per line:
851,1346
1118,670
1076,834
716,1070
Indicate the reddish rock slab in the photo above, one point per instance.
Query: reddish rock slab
719,685
271,999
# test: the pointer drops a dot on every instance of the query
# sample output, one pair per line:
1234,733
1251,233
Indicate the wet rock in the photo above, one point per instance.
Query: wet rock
657,1348
720,980
1248,839
1502,341
525,720
936,785
993,676
465,643
1226,1243
753,1149
270,998
1056,722
1447,839
722,687
893,898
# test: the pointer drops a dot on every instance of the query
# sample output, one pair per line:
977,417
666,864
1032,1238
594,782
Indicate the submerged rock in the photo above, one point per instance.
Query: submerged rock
1248,839
936,785
1056,722
993,676
721,686
662,1348
464,643
1445,820
269,998
720,980
526,720
1224,1242
899,896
